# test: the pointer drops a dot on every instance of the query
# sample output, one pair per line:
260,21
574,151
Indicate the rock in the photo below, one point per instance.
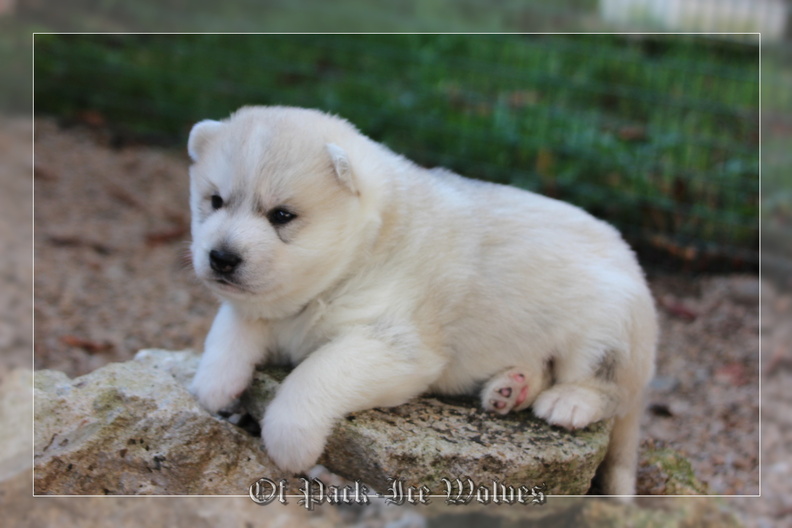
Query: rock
664,471
664,383
428,439
133,428
16,407
746,290
20,509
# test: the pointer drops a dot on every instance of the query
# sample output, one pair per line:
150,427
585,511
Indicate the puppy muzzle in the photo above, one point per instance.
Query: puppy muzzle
224,263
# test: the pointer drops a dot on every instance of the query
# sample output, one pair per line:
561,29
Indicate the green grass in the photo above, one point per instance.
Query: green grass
659,136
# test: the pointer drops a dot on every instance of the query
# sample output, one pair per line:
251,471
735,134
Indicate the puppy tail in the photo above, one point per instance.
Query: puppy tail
616,475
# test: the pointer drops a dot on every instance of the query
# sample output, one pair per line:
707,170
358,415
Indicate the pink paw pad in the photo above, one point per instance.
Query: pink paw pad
509,391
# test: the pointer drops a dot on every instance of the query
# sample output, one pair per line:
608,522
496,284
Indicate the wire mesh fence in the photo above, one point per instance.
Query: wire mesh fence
658,134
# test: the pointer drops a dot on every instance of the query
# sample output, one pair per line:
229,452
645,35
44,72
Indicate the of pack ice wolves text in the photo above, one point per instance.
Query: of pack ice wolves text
458,491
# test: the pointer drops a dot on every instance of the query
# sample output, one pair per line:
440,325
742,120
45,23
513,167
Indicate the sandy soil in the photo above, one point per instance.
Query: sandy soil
111,227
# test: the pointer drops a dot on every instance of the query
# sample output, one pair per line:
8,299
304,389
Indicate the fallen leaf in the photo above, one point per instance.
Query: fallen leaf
166,236
678,310
92,347
733,373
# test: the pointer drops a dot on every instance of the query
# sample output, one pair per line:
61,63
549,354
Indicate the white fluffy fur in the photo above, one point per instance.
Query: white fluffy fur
394,280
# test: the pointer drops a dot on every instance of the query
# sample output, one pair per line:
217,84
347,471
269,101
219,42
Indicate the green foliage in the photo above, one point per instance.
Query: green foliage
658,135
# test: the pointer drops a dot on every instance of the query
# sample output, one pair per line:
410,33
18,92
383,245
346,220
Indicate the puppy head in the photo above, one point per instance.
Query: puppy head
277,206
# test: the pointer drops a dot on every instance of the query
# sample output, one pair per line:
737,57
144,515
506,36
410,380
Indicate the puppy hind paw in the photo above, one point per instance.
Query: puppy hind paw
569,406
512,390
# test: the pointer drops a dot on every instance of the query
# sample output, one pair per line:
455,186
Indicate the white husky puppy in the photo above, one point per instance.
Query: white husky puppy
381,281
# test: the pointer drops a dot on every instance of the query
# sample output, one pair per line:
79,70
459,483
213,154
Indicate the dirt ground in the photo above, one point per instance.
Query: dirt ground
111,276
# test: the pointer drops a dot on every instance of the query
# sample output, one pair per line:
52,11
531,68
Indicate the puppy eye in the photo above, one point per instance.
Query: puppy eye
280,216
217,202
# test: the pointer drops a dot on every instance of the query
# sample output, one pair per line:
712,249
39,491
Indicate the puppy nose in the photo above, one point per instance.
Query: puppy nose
223,261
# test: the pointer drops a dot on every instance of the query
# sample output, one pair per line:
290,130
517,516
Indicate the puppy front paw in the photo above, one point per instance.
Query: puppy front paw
569,406
514,389
215,394
293,446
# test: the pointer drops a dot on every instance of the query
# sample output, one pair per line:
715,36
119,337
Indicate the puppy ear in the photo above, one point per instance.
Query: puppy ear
342,167
200,135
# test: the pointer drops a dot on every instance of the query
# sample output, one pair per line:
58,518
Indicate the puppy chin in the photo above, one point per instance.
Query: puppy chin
252,302
224,287
227,288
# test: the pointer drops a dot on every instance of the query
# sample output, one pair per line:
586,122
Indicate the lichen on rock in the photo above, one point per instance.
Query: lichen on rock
664,471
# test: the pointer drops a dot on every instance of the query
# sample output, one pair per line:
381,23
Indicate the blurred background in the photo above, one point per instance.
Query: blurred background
660,134
681,112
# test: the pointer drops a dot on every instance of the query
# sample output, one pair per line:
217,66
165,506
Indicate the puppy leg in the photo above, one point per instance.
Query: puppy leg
514,389
361,369
233,347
